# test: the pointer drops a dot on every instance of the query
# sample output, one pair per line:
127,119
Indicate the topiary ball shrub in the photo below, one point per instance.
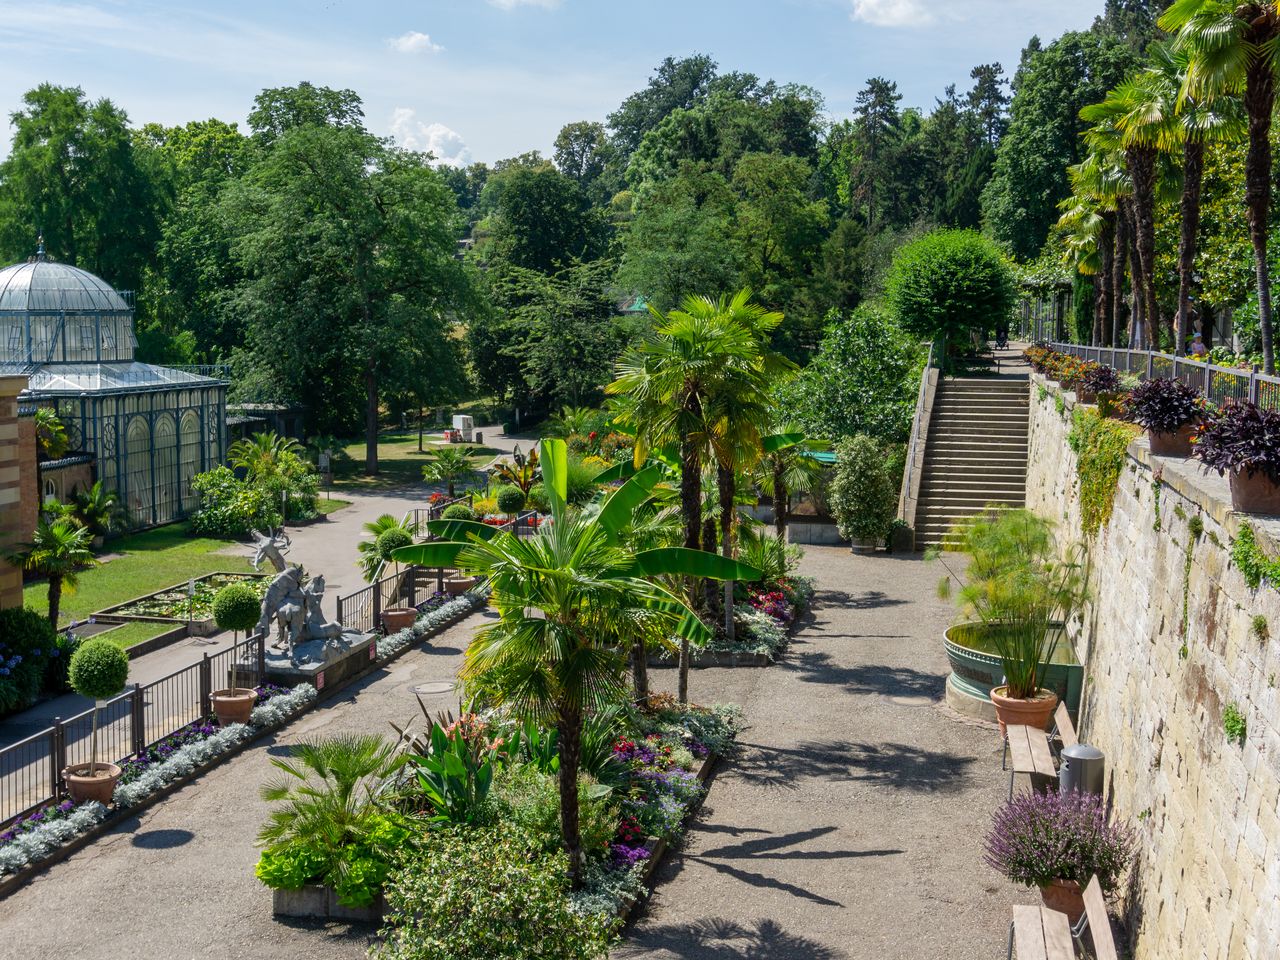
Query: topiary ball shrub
99,669
27,644
236,607
392,540
1164,405
511,499
537,499
950,281
459,511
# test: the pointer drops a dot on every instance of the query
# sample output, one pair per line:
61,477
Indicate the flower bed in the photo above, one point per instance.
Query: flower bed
437,614
763,617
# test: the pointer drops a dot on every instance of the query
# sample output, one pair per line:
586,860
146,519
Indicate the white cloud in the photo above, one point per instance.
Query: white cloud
414,42
512,4
892,13
445,145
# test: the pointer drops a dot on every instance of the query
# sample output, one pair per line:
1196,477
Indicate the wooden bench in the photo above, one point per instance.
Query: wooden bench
1038,933
1029,753
1064,731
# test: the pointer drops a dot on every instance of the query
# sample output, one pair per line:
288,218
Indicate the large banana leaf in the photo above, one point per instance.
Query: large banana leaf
781,441
462,529
438,553
555,474
621,505
619,471
684,562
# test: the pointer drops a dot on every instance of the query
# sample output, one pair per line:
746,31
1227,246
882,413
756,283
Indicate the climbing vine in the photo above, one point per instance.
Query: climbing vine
1100,446
1249,559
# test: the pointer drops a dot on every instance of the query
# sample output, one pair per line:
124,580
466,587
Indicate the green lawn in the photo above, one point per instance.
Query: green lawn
399,462
148,561
327,506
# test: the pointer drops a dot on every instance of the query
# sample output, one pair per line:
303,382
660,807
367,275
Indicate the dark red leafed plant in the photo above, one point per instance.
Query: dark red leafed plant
1101,379
1241,436
1163,405
1036,838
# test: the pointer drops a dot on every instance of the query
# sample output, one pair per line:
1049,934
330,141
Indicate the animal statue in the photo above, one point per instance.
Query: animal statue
317,627
271,547
284,602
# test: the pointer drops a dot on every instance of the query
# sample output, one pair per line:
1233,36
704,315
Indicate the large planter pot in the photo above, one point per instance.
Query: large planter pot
1031,712
395,619
233,705
1177,444
865,545
456,586
975,670
1254,493
87,782
1065,896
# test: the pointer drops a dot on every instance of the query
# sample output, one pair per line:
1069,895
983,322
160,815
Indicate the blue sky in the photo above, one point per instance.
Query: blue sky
486,79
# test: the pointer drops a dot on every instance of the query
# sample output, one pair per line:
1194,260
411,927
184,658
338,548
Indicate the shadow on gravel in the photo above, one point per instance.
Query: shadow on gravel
888,681
870,600
717,938
162,839
897,766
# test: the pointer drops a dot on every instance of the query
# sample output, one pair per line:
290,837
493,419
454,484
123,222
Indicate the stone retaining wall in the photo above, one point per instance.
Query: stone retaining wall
1169,644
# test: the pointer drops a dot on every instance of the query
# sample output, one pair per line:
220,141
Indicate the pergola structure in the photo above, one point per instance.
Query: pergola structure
150,428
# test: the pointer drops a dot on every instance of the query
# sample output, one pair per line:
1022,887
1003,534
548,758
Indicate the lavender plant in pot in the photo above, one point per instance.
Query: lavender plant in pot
1169,411
1022,593
1243,441
1058,842
1098,379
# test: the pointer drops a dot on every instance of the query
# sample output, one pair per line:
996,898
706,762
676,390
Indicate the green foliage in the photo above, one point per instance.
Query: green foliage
1259,628
458,511
1234,725
529,800
861,496
236,607
474,893
51,435
99,669
455,773
580,481
950,282
370,547
99,509
58,550
230,507
391,540
28,648
276,477
1256,567
1100,445
511,499
449,466
864,379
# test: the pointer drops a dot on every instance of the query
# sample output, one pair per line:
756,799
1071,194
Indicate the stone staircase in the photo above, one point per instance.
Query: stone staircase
975,454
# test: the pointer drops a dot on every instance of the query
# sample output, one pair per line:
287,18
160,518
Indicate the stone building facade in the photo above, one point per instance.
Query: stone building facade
12,477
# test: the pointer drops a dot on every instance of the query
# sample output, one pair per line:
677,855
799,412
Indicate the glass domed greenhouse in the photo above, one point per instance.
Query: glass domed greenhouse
151,429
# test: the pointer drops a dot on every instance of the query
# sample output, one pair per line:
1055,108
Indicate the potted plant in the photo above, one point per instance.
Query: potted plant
861,495
1169,411
1098,379
511,499
398,617
1022,594
1058,842
99,671
1243,440
236,607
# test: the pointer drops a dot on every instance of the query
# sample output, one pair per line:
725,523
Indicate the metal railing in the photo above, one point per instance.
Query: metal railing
410,587
908,494
1215,383
31,769
421,516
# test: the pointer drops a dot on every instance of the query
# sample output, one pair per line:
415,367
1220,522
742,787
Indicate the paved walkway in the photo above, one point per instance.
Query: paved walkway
849,827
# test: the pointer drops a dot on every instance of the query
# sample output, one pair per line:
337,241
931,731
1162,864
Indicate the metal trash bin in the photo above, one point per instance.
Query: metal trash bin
479,437
1083,769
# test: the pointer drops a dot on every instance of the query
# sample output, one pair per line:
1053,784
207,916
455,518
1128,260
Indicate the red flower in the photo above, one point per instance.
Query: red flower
591,435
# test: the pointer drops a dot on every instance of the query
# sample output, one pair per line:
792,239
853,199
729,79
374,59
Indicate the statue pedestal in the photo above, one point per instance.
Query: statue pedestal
320,665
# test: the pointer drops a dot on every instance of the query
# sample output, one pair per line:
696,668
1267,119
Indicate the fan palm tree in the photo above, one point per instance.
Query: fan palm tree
708,349
1088,238
449,465
1100,188
371,558
571,602
1231,49
787,468
59,550
260,455
51,435
98,508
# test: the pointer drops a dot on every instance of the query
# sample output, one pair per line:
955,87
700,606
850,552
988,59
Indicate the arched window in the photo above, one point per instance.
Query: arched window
50,491
189,454
139,493
168,498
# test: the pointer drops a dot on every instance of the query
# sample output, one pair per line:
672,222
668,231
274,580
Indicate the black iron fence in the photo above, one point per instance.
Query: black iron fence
31,770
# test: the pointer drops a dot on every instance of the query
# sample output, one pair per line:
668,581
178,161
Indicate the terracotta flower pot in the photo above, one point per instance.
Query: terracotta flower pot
1065,896
1177,444
456,586
96,782
1254,493
1034,712
233,705
395,619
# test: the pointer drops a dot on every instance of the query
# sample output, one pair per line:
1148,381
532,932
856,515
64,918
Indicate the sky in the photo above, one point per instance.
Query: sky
480,80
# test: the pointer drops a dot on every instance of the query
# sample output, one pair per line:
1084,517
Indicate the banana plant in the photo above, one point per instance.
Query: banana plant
572,602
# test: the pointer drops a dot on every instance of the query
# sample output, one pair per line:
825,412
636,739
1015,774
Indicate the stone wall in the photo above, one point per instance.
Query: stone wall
1170,643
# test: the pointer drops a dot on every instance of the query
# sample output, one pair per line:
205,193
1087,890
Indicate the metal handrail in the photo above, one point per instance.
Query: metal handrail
908,473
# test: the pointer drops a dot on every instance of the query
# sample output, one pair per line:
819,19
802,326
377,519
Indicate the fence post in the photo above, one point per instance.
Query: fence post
1208,380
57,757
1150,364
206,686
377,605
340,620
137,719
1253,384
262,656
439,579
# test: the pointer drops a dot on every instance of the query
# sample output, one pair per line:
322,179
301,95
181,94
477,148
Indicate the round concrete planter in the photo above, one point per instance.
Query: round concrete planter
1254,493
87,782
1176,444
975,670
395,619
233,705
1064,896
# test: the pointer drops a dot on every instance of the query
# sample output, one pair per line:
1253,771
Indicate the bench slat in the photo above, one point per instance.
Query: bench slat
1029,750
1041,757
1095,908
1028,933
1057,935
1019,749
1066,729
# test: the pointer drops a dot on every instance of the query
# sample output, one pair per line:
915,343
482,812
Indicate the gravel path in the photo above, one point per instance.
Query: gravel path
849,827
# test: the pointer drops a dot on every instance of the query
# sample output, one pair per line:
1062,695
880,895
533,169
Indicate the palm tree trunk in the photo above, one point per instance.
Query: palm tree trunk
727,483
1118,261
1106,256
1142,168
1192,176
1137,312
55,598
640,669
1259,101
691,507
570,735
780,504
